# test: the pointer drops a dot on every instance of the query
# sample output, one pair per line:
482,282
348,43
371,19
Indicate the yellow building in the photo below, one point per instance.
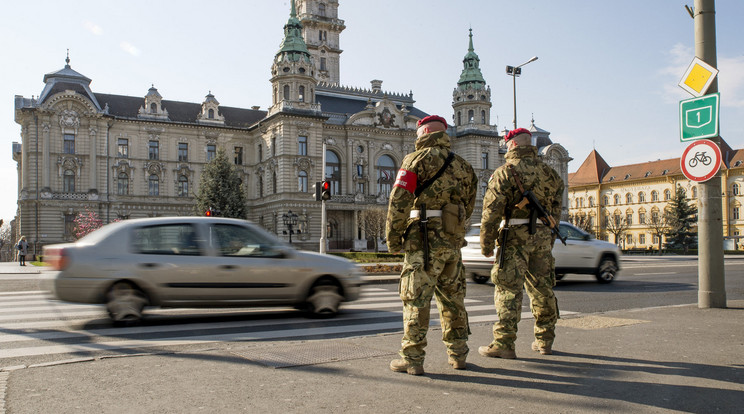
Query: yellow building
636,193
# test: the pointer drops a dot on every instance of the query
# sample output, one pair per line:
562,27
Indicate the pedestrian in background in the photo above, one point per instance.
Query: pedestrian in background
432,200
526,260
22,250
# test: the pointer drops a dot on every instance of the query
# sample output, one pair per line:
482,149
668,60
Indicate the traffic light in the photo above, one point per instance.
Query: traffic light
318,188
325,193
212,212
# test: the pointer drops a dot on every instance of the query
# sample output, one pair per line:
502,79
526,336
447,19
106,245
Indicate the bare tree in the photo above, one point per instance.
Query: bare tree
658,226
616,225
372,221
583,222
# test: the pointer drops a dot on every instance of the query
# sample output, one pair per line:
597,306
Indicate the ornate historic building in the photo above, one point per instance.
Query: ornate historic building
129,156
639,193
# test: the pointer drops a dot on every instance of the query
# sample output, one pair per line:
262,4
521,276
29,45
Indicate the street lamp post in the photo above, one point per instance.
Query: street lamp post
515,71
290,220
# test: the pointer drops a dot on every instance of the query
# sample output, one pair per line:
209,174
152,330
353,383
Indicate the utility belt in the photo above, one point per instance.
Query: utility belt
519,221
429,213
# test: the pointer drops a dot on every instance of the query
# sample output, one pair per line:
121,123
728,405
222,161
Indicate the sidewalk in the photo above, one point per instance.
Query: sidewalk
667,359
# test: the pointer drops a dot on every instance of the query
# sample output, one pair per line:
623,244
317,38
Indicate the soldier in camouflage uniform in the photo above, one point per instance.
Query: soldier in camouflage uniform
528,259
448,202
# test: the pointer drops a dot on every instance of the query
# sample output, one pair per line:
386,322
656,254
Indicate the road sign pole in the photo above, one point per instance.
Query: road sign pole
711,278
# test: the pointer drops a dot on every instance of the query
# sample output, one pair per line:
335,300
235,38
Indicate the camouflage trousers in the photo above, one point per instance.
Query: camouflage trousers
528,264
445,280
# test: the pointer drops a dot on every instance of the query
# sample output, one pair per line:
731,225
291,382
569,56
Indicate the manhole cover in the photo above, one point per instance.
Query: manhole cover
309,354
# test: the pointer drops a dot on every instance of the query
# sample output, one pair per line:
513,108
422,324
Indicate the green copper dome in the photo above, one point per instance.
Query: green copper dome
471,73
293,46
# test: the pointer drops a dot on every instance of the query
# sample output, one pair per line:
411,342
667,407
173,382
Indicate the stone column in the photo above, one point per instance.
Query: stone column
93,158
46,162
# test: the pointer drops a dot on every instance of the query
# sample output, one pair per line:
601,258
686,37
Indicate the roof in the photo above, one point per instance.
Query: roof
591,170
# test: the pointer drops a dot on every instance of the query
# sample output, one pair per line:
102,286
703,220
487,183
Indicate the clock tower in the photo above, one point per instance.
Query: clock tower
321,29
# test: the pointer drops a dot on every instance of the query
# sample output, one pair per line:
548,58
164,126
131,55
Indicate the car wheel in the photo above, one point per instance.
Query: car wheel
125,302
324,299
607,270
480,278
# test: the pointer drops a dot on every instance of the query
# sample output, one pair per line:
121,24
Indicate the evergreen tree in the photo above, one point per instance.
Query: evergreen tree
680,218
220,189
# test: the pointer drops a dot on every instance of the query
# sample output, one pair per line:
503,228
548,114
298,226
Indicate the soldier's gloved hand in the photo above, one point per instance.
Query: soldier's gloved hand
488,254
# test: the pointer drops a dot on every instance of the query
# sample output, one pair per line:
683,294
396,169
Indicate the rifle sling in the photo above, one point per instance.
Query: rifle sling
439,173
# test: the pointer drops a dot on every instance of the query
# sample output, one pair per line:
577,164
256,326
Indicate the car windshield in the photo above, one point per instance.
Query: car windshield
237,240
572,233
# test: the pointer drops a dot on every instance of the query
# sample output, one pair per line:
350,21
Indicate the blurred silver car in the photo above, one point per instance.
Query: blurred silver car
582,254
196,262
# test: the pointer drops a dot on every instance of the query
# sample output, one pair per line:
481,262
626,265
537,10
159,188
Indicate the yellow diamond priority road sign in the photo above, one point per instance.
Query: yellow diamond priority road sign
698,77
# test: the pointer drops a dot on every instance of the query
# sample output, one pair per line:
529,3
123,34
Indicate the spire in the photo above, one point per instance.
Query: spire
67,60
471,73
293,46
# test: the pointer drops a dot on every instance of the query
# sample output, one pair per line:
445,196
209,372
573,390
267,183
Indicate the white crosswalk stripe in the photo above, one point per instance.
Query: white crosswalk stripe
31,324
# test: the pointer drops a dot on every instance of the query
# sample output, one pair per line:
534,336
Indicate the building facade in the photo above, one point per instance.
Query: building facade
130,157
637,195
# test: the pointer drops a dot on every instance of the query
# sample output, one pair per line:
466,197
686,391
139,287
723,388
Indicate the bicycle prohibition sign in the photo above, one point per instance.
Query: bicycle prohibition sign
701,160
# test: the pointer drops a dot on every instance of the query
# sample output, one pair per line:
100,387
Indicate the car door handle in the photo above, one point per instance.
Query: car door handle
227,267
148,265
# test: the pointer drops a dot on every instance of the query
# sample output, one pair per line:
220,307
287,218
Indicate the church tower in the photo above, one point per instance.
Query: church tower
321,29
471,100
293,72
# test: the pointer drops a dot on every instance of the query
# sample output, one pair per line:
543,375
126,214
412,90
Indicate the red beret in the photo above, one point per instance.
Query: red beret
431,118
514,132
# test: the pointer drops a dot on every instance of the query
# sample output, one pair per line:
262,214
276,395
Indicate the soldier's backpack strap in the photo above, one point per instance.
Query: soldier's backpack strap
439,173
516,178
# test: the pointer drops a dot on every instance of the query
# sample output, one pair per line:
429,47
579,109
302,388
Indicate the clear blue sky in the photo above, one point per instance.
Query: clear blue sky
606,77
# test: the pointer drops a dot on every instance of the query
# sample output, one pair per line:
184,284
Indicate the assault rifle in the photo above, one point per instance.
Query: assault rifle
537,211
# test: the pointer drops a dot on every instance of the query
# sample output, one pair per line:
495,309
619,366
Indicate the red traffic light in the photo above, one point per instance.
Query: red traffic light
208,213
325,193
326,186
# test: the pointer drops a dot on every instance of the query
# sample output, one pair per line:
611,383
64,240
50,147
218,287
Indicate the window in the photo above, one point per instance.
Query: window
274,186
301,145
606,200
471,116
238,155
239,241
322,9
286,92
667,195
211,152
654,195
385,174
484,187
260,152
735,189
629,218
153,150
122,148
122,184
260,187
69,144
617,199
68,181
153,108
183,186
641,197
333,172
641,238
273,146
483,117
736,213
580,202
459,118
301,97
628,239
323,64
167,239
69,225
183,151
654,217
629,198
210,113
153,185
591,201
302,182
642,218
484,160
656,239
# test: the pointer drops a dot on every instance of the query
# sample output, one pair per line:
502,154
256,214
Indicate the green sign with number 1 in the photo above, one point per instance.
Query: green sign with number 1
698,117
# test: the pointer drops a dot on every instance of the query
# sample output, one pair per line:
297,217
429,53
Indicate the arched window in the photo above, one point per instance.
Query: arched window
260,152
617,199
210,113
591,201
606,200
471,116
629,198
386,172
122,184
260,187
302,181
153,108
183,186
629,217
641,197
667,195
654,195
735,189
274,186
333,172
302,94
153,185
459,118
286,92
68,181
483,117
322,9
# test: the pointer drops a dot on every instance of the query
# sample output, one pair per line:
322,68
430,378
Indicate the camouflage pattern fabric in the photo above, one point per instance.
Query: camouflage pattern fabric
445,278
528,259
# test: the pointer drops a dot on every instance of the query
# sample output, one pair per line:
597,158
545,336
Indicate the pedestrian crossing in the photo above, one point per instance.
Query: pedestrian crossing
31,324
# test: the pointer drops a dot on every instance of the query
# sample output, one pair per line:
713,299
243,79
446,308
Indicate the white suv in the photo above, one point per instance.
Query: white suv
582,254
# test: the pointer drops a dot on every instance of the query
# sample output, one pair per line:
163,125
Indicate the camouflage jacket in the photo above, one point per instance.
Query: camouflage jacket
503,192
457,185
